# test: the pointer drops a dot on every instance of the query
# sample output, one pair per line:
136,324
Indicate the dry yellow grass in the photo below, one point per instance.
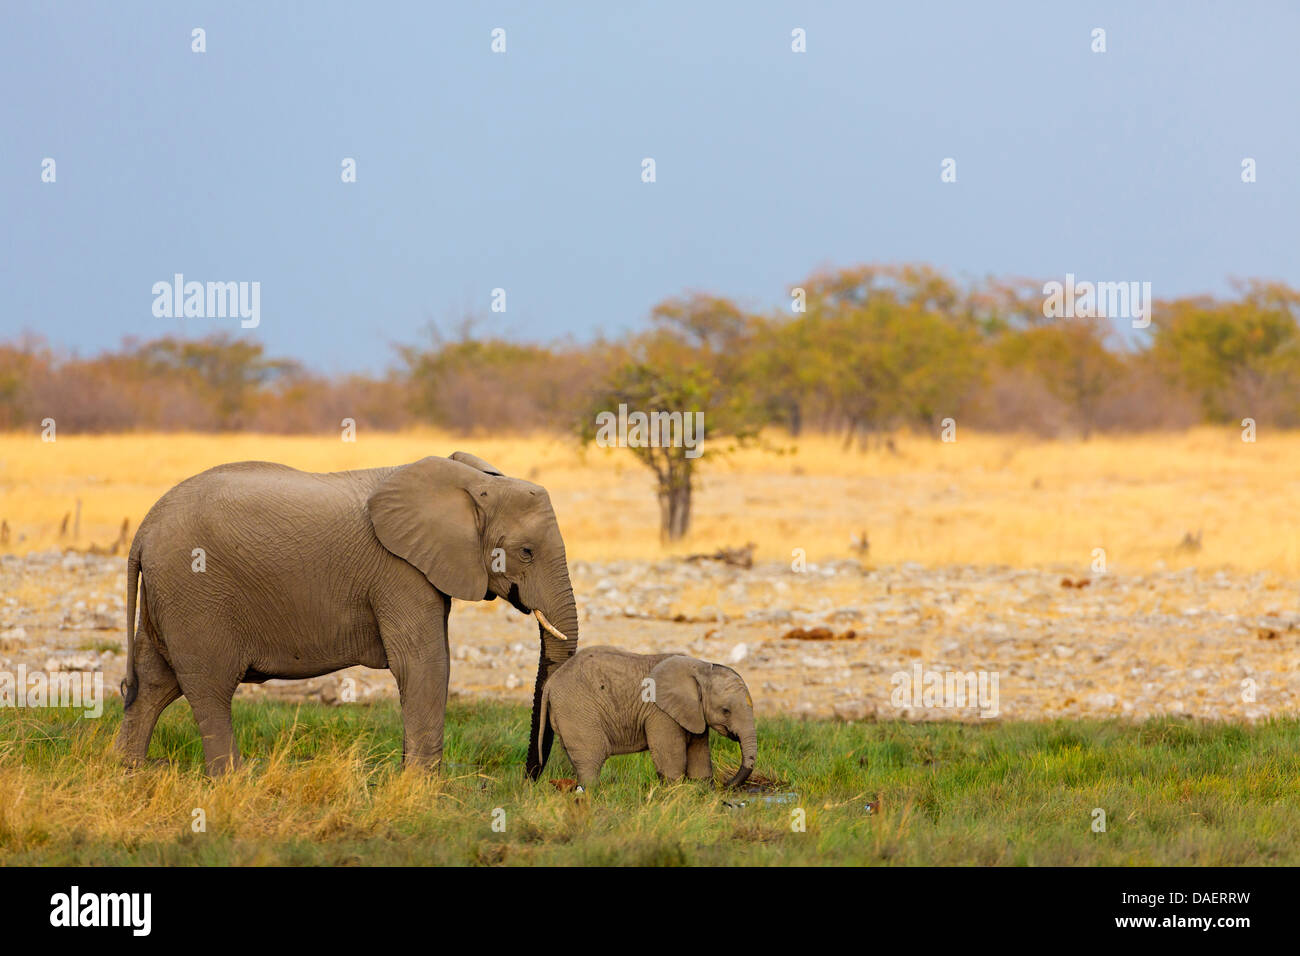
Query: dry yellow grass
984,499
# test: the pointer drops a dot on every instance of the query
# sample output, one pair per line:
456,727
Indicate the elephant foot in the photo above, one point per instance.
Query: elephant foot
428,764
129,762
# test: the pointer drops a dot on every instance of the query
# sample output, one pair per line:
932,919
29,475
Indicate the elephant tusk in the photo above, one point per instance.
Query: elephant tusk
541,618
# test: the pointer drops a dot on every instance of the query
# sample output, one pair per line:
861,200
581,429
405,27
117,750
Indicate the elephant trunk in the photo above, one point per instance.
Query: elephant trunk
748,755
563,617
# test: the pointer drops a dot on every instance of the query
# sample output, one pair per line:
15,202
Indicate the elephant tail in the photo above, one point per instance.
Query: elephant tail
543,718
130,684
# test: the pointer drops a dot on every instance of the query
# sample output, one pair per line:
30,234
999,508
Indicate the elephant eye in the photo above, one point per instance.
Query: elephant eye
526,553
726,712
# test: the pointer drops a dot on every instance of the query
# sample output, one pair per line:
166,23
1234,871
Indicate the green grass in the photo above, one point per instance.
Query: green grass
324,786
99,645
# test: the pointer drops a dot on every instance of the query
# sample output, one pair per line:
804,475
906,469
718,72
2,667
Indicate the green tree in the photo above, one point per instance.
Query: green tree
664,374
884,346
1070,357
1219,349
226,371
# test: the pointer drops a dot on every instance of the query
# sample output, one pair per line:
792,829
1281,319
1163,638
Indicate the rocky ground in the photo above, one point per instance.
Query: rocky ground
824,642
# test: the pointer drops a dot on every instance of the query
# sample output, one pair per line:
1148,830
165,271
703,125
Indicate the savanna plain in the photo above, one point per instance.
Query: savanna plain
1136,597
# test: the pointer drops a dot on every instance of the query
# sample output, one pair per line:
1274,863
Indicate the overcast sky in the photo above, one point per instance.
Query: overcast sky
523,170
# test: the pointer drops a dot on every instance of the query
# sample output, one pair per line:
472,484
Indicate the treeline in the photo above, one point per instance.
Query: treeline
860,351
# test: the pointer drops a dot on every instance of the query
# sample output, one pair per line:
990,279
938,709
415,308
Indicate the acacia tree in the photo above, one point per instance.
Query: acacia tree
1223,350
1071,359
227,371
880,346
668,377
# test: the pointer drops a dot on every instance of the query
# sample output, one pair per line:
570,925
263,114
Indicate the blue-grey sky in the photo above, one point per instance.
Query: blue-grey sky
523,170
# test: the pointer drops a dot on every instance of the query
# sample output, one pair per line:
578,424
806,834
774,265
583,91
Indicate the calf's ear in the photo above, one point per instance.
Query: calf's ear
474,461
679,691
429,514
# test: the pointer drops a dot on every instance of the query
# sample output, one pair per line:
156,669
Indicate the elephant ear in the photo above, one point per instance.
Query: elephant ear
679,692
427,513
474,461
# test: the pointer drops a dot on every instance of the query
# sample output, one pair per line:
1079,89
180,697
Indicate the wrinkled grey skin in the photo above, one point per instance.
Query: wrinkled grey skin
310,573
600,705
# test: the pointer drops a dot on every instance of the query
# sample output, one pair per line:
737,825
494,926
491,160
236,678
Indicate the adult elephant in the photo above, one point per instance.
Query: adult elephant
255,570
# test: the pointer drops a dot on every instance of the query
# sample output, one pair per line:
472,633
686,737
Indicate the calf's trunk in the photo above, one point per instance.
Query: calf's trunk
748,754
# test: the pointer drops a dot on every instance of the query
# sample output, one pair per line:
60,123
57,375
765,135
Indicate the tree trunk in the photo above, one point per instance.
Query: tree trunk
675,502
849,431
682,519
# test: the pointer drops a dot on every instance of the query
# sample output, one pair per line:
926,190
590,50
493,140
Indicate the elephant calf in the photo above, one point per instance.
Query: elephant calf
605,701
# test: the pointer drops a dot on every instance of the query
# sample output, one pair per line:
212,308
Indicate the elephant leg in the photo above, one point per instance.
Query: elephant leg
699,762
667,743
587,766
208,682
157,687
586,752
211,708
209,673
422,670
422,688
